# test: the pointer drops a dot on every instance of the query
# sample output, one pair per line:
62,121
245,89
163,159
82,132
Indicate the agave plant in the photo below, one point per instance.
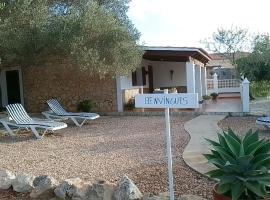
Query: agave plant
242,165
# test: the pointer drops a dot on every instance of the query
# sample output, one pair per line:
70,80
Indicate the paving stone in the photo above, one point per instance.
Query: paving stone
199,128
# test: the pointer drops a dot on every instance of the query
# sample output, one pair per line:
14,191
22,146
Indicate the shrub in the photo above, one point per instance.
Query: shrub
130,105
242,165
86,106
206,97
260,88
214,95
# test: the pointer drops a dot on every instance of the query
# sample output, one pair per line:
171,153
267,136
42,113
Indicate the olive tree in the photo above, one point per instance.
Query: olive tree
96,35
228,42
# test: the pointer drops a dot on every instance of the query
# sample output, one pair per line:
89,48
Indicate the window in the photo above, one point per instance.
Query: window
139,77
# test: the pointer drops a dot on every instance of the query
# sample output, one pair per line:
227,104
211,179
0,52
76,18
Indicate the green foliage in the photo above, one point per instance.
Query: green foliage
111,49
242,165
260,88
256,66
86,106
130,105
214,96
96,34
206,97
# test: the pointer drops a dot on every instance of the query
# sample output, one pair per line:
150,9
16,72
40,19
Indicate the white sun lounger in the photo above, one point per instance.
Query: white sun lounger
57,111
265,121
18,117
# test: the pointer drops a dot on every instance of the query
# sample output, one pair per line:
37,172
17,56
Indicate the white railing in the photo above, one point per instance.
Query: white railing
228,83
230,86
210,84
223,85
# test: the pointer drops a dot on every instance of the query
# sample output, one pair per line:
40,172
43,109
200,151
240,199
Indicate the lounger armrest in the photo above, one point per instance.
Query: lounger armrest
54,116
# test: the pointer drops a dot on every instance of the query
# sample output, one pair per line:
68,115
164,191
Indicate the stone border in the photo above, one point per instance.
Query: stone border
47,188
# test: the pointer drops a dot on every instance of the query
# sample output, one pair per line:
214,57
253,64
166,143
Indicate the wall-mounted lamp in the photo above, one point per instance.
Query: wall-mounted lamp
171,74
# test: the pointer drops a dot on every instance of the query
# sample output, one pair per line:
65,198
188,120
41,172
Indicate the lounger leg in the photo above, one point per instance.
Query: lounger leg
76,122
33,129
267,127
82,122
47,116
44,132
9,130
18,130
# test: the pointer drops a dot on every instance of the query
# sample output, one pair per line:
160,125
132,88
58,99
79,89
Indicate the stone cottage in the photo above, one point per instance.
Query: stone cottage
161,67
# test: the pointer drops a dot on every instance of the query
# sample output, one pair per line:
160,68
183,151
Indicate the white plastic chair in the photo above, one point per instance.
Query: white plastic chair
18,117
57,111
265,121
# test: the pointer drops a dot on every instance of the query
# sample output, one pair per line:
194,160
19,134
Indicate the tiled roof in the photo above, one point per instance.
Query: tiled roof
222,60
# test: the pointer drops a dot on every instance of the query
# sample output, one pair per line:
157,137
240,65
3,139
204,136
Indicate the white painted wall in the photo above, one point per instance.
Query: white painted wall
120,106
126,83
162,77
198,81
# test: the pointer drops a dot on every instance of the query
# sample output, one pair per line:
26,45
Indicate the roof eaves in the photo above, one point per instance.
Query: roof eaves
160,48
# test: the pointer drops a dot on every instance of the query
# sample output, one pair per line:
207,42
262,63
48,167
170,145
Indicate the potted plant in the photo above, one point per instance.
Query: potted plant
130,105
206,98
242,166
214,96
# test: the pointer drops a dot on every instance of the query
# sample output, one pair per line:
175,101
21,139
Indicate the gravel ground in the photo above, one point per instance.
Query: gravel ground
108,148
242,124
11,195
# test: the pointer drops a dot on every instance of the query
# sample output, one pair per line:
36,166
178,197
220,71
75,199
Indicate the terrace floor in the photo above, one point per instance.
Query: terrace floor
226,104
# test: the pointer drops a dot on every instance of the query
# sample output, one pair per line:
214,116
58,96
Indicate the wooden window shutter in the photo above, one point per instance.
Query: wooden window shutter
134,78
144,73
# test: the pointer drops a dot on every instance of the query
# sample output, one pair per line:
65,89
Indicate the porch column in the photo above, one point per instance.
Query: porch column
204,83
190,75
245,95
119,91
198,81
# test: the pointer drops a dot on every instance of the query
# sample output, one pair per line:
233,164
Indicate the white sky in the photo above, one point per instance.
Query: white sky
186,22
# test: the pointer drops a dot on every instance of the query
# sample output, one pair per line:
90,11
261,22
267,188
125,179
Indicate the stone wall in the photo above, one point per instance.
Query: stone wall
70,85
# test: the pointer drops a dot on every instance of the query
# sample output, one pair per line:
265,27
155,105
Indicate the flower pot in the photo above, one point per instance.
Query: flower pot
218,196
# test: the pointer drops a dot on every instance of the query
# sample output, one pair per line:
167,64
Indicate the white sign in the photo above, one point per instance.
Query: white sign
180,100
167,101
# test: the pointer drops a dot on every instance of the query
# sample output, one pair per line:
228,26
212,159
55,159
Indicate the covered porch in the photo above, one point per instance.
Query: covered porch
179,69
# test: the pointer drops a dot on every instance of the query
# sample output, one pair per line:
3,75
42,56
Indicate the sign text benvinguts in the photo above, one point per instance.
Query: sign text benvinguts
180,100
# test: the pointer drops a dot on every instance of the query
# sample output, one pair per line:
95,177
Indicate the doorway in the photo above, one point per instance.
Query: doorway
11,86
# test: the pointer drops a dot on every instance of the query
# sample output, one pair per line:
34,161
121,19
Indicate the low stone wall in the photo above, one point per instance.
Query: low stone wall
70,85
47,188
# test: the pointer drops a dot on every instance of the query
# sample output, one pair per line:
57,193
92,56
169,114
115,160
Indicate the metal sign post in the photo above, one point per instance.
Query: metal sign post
167,101
169,150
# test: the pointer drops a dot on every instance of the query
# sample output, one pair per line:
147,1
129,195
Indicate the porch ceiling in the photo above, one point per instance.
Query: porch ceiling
173,56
